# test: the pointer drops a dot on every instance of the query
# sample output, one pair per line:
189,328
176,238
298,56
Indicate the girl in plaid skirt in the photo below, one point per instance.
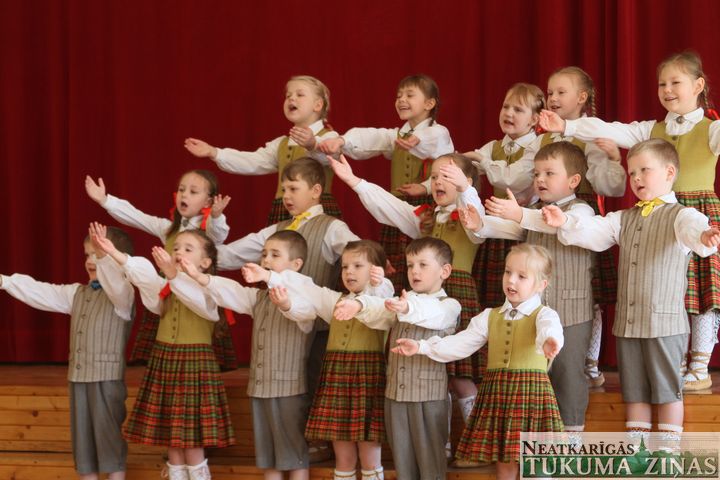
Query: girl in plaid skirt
348,405
306,106
683,91
196,205
410,149
515,395
181,403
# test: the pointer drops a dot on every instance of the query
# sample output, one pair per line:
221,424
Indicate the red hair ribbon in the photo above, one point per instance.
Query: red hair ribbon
426,167
712,114
419,210
205,215
539,130
165,291
229,316
601,204
455,215
174,207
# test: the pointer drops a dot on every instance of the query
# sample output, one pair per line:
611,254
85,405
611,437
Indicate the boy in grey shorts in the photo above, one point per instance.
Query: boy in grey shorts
101,316
655,239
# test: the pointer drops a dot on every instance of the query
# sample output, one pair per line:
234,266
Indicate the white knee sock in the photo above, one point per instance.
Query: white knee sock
377,474
593,352
201,471
703,339
466,406
340,475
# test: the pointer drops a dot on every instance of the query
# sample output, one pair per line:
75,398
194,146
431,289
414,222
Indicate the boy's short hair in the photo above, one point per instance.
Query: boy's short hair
296,244
307,169
372,250
572,156
660,148
440,247
120,238
464,163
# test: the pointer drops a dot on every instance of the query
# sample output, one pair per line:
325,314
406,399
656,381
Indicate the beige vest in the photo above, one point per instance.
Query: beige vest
570,289
651,276
407,168
511,343
498,153
584,187
97,338
697,161
288,153
463,249
279,353
315,265
416,378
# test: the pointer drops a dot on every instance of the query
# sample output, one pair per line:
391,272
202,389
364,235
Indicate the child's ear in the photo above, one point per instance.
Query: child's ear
534,119
543,285
671,171
583,97
297,264
575,181
205,263
430,104
209,202
699,86
446,271
318,105
316,191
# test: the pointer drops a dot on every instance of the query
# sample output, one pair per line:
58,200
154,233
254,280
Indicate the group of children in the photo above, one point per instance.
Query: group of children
373,358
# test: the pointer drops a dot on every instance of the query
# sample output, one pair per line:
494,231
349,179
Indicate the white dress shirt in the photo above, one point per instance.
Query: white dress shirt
517,176
265,159
233,256
433,311
465,343
125,213
599,233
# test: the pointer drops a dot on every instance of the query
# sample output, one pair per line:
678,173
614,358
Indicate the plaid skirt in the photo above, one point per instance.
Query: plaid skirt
181,402
349,402
488,269
703,292
145,341
604,280
394,243
461,286
509,402
278,212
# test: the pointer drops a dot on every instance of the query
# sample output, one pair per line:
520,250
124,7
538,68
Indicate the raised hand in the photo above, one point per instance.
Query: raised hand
407,143
95,191
453,174
376,275
553,216
164,262
406,347
331,146
303,136
97,232
551,348
219,204
399,304
470,218
610,148
343,170
711,237
254,273
413,189
200,148
347,309
551,122
508,209
279,297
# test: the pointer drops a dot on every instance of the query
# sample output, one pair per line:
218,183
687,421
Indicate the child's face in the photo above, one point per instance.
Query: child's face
516,118
90,260
412,105
302,105
678,92
444,193
519,284
190,247
355,271
275,256
425,273
298,196
649,178
551,180
193,194
564,97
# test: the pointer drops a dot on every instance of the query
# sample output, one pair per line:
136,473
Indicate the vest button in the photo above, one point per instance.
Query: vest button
507,342
635,245
258,382
401,385
402,369
633,263
82,316
675,137
260,347
77,367
632,303
259,365
79,350
639,228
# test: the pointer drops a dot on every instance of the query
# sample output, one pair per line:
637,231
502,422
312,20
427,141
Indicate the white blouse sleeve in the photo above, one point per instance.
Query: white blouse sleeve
387,209
607,177
116,286
462,344
125,213
48,297
260,162
624,134
364,143
192,295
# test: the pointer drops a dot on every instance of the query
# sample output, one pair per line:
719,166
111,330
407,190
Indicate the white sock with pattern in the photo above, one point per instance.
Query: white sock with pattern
340,475
377,474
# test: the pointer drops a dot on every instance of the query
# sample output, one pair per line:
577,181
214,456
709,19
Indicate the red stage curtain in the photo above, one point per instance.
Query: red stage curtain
111,89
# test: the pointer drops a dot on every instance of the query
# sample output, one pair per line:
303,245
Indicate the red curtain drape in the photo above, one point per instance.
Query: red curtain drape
111,89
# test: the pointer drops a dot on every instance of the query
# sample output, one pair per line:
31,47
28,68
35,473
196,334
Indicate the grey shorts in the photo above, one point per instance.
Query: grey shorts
97,412
650,368
279,427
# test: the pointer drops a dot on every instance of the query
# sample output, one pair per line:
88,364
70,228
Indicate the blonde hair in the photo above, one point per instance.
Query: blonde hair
528,94
690,63
319,89
585,84
539,260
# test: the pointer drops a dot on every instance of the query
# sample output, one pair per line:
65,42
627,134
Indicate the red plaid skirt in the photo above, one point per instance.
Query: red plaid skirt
461,286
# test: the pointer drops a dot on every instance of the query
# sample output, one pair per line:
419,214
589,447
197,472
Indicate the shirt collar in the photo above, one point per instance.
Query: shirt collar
523,141
694,117
439,294
447,209
406,128
526,308
565,200
317,126
314,211
669,197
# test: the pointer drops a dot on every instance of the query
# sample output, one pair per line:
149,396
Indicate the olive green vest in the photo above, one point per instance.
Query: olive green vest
511,343
584,186
406,168
287,153
463,249
697,161
498,153
354,336
180,325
